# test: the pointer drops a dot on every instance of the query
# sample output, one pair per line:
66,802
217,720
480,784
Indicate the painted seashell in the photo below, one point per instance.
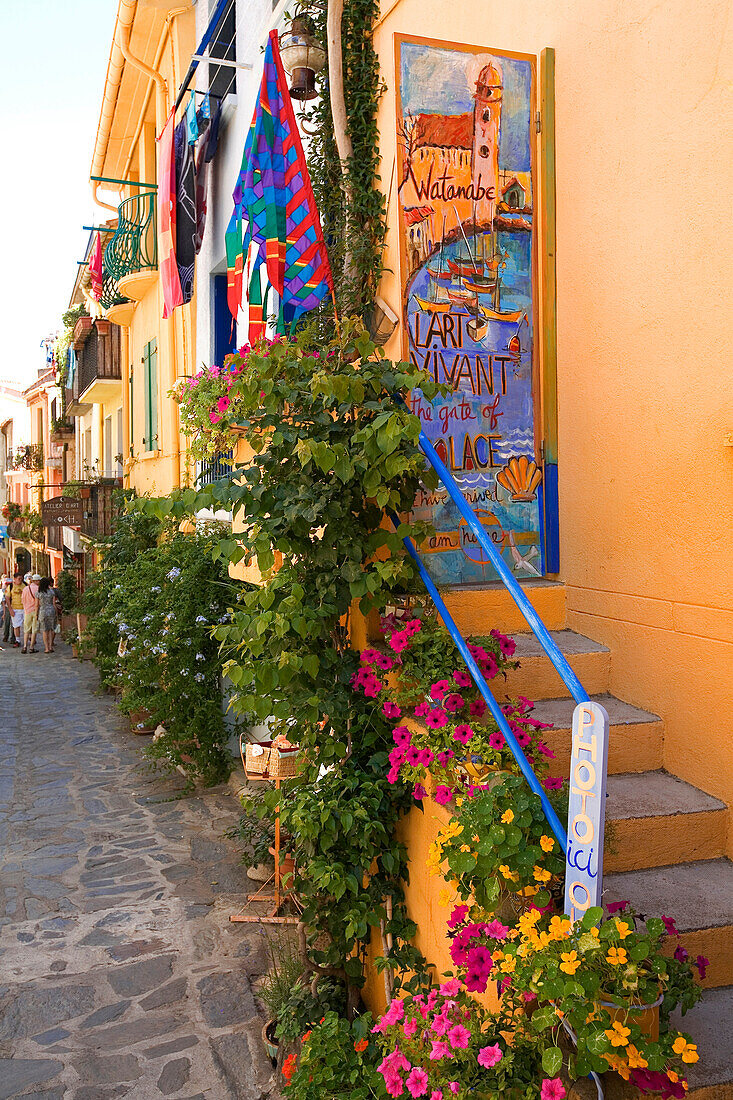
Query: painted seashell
520,477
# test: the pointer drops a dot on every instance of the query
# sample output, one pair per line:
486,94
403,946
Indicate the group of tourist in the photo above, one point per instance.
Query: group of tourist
29,605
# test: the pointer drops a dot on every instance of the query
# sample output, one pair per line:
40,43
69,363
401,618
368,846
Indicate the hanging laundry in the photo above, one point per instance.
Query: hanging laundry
95,268
204,156
185,210
192,125
172,293
274,208
205,107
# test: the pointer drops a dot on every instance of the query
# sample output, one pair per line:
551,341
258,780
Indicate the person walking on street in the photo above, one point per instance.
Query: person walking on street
47,613
30,609
16,606
7,613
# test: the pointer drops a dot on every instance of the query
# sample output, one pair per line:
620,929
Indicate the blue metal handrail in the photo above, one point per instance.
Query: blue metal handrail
478,677
540,631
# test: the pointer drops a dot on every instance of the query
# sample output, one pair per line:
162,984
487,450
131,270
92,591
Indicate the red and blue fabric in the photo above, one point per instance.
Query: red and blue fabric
275,220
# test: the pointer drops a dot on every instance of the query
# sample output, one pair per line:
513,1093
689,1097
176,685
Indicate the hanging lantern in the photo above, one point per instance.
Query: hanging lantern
302,58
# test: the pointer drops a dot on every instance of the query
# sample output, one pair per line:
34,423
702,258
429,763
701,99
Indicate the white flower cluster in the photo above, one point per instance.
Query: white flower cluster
174,574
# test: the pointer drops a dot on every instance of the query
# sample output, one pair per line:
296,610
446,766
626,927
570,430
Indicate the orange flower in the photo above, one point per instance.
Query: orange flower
306,1037
361,1045
289,1067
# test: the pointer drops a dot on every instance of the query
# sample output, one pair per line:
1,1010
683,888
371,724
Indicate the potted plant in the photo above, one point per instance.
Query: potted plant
286,968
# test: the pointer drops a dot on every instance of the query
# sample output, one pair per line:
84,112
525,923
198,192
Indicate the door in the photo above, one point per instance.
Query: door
466,142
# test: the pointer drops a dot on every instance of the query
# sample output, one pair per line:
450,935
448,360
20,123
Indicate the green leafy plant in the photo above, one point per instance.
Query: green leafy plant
254,830
338,1059
68,589
286,968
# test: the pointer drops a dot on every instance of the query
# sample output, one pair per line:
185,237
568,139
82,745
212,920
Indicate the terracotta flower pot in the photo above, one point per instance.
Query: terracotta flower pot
646,1017
287,869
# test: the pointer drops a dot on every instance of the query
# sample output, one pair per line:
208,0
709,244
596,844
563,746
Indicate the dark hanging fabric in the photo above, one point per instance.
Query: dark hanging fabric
185,210
204,156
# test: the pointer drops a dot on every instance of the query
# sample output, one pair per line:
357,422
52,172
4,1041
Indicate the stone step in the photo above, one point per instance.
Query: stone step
477,609
635,741
699,897
710,1024
658,819
536,678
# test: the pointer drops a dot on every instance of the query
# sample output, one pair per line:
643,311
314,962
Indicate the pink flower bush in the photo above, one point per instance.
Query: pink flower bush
490,1056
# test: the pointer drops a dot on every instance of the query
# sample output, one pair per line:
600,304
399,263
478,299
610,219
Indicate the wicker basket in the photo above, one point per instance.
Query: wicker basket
256,758
284,763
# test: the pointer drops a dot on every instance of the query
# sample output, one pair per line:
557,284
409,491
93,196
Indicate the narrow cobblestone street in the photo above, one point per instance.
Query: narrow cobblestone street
120,974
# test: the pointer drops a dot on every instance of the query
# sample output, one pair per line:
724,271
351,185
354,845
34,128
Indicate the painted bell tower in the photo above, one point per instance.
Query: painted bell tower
486,129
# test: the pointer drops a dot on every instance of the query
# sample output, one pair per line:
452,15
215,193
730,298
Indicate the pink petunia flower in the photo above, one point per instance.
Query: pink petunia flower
617,906
496,741
454,1086
369,656
435,718
213,417
489,1056
702,964
419,792
391,710
439,690
426,757
552,783
401,736
462,678
454,702
384,662
223,404
496,930
399,641
552,1089
669,926
477,708
443,795
450,988
542,748
436,1094
444,758
422,709
410,1027
417,1082
440,1050
458,1037
412,756
463,733
458,916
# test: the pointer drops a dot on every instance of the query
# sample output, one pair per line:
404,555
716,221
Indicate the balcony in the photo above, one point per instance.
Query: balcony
217,468
131,256
28,456
99,509
98,376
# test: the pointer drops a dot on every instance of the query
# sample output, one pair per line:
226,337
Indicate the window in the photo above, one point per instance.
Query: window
223,78
225,333
150,383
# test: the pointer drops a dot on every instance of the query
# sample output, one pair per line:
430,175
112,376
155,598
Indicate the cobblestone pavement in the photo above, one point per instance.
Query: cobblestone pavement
120,974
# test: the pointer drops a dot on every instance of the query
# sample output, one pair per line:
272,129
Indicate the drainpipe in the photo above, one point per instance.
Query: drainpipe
125,19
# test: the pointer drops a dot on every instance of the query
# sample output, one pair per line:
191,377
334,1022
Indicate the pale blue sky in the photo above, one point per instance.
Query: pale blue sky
55,61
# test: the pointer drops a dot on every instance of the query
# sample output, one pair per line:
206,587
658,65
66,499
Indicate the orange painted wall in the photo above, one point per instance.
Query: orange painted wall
643,118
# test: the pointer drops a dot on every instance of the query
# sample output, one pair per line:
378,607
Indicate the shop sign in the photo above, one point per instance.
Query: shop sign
586,810
62,512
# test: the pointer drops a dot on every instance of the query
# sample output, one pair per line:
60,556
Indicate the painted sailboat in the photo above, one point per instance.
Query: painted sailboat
437,301
440,273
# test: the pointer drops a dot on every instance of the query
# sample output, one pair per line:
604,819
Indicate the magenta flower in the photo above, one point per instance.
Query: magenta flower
489,666
444,757
552,1089
223,404
426,757
401,735
435,718
462,678
419,792
391,710
384,662
417,1082
450,988
489,1056
477,708
213,417
396,756
497,742
436,1094
413,627
369,656
454,702
458,1037
422,709
496,930
463,733
702,964
617,906
412,756
454,1086
443,795
669,926
439,1051
523,738
680,953
399,640
507,647
458,916
552,783
373,688
410,1027
439,689
542,748
393,775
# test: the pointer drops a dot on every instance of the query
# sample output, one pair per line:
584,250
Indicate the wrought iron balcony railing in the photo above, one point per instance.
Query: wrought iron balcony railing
110,290
216,468
28,456
134,246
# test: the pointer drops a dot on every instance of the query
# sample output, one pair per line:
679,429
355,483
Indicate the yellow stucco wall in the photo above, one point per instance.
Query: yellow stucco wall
643,308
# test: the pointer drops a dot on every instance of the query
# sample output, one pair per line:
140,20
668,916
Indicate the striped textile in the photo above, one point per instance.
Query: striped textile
275,220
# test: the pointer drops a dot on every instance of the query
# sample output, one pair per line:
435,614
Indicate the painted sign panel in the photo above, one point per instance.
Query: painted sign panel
586,809
61,511
466,210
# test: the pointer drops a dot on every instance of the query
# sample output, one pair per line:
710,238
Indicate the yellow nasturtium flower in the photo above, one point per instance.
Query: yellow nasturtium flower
636,1058
618,1034
623,929
688,1051
570,962
540,874
547,843
617,956
507,817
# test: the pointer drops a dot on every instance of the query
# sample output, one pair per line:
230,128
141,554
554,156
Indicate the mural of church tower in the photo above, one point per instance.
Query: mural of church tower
486,130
